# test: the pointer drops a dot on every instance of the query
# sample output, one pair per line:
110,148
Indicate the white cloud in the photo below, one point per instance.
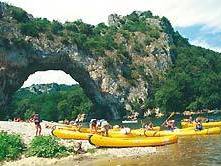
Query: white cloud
50,76
180,12
204,44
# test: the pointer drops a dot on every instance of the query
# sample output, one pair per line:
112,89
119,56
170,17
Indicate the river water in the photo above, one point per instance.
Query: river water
195,150
201,150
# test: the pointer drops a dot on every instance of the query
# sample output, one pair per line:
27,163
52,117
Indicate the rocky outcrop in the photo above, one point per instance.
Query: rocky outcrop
2,8
113,81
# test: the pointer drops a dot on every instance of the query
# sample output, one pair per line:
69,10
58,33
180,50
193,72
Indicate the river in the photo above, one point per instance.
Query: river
195,150
201,150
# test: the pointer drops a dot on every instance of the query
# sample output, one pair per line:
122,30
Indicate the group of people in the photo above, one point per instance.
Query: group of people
34,119
80,118
170,124
198,121
101,126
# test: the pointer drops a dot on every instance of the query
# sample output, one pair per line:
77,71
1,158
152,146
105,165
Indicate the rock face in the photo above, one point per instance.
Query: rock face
2,8
113,80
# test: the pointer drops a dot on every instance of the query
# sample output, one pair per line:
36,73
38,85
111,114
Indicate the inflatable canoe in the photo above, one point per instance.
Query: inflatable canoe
183,132
101,141
69,134
207,125
73,128
87,130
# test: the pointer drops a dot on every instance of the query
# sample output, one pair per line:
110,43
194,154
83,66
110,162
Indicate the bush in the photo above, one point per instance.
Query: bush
109,62
33,28
11,146
21,44
46,146
56,27
154,34
96,44
71,27
29,29
138,47
19,14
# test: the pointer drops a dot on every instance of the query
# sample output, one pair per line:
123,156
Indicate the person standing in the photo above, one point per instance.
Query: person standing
105,127
93,126
37,122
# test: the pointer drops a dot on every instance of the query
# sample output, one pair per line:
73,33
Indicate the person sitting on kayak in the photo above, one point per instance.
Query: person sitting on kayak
170,124
199,125
148,126
190,120
202,119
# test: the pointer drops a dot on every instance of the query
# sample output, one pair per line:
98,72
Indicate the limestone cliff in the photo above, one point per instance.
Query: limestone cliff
114,64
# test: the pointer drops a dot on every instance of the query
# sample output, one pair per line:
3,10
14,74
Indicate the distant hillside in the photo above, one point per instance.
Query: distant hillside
45,88
52,101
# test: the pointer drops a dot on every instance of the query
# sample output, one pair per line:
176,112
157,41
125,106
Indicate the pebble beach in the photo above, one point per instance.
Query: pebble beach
27,132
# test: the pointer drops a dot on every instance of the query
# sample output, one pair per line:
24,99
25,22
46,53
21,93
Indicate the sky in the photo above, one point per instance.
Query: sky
50,76
197,20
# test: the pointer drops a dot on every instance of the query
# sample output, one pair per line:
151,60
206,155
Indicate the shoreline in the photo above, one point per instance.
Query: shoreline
27,132
83,159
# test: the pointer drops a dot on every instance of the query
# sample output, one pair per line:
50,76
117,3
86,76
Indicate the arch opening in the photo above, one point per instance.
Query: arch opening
53,94
49,77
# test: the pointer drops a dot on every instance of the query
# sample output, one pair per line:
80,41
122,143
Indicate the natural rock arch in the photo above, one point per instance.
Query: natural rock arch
16,68
121,74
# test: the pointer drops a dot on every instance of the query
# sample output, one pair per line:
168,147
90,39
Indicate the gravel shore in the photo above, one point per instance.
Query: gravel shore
27,132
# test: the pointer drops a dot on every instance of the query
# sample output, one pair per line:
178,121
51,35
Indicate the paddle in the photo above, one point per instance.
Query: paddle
168,118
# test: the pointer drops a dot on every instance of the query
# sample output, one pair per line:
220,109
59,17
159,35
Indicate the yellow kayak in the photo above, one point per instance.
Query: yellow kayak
207,125
141,132
73,128
69,134
183,132
101,141
83,130
87,130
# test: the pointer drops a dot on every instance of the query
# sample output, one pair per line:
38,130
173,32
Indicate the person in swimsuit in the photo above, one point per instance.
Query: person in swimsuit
37,122
93,125
104,126
170,124
199,126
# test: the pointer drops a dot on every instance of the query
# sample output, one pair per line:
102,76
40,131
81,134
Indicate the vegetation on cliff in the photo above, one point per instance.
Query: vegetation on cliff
193,83
135,50
119,59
